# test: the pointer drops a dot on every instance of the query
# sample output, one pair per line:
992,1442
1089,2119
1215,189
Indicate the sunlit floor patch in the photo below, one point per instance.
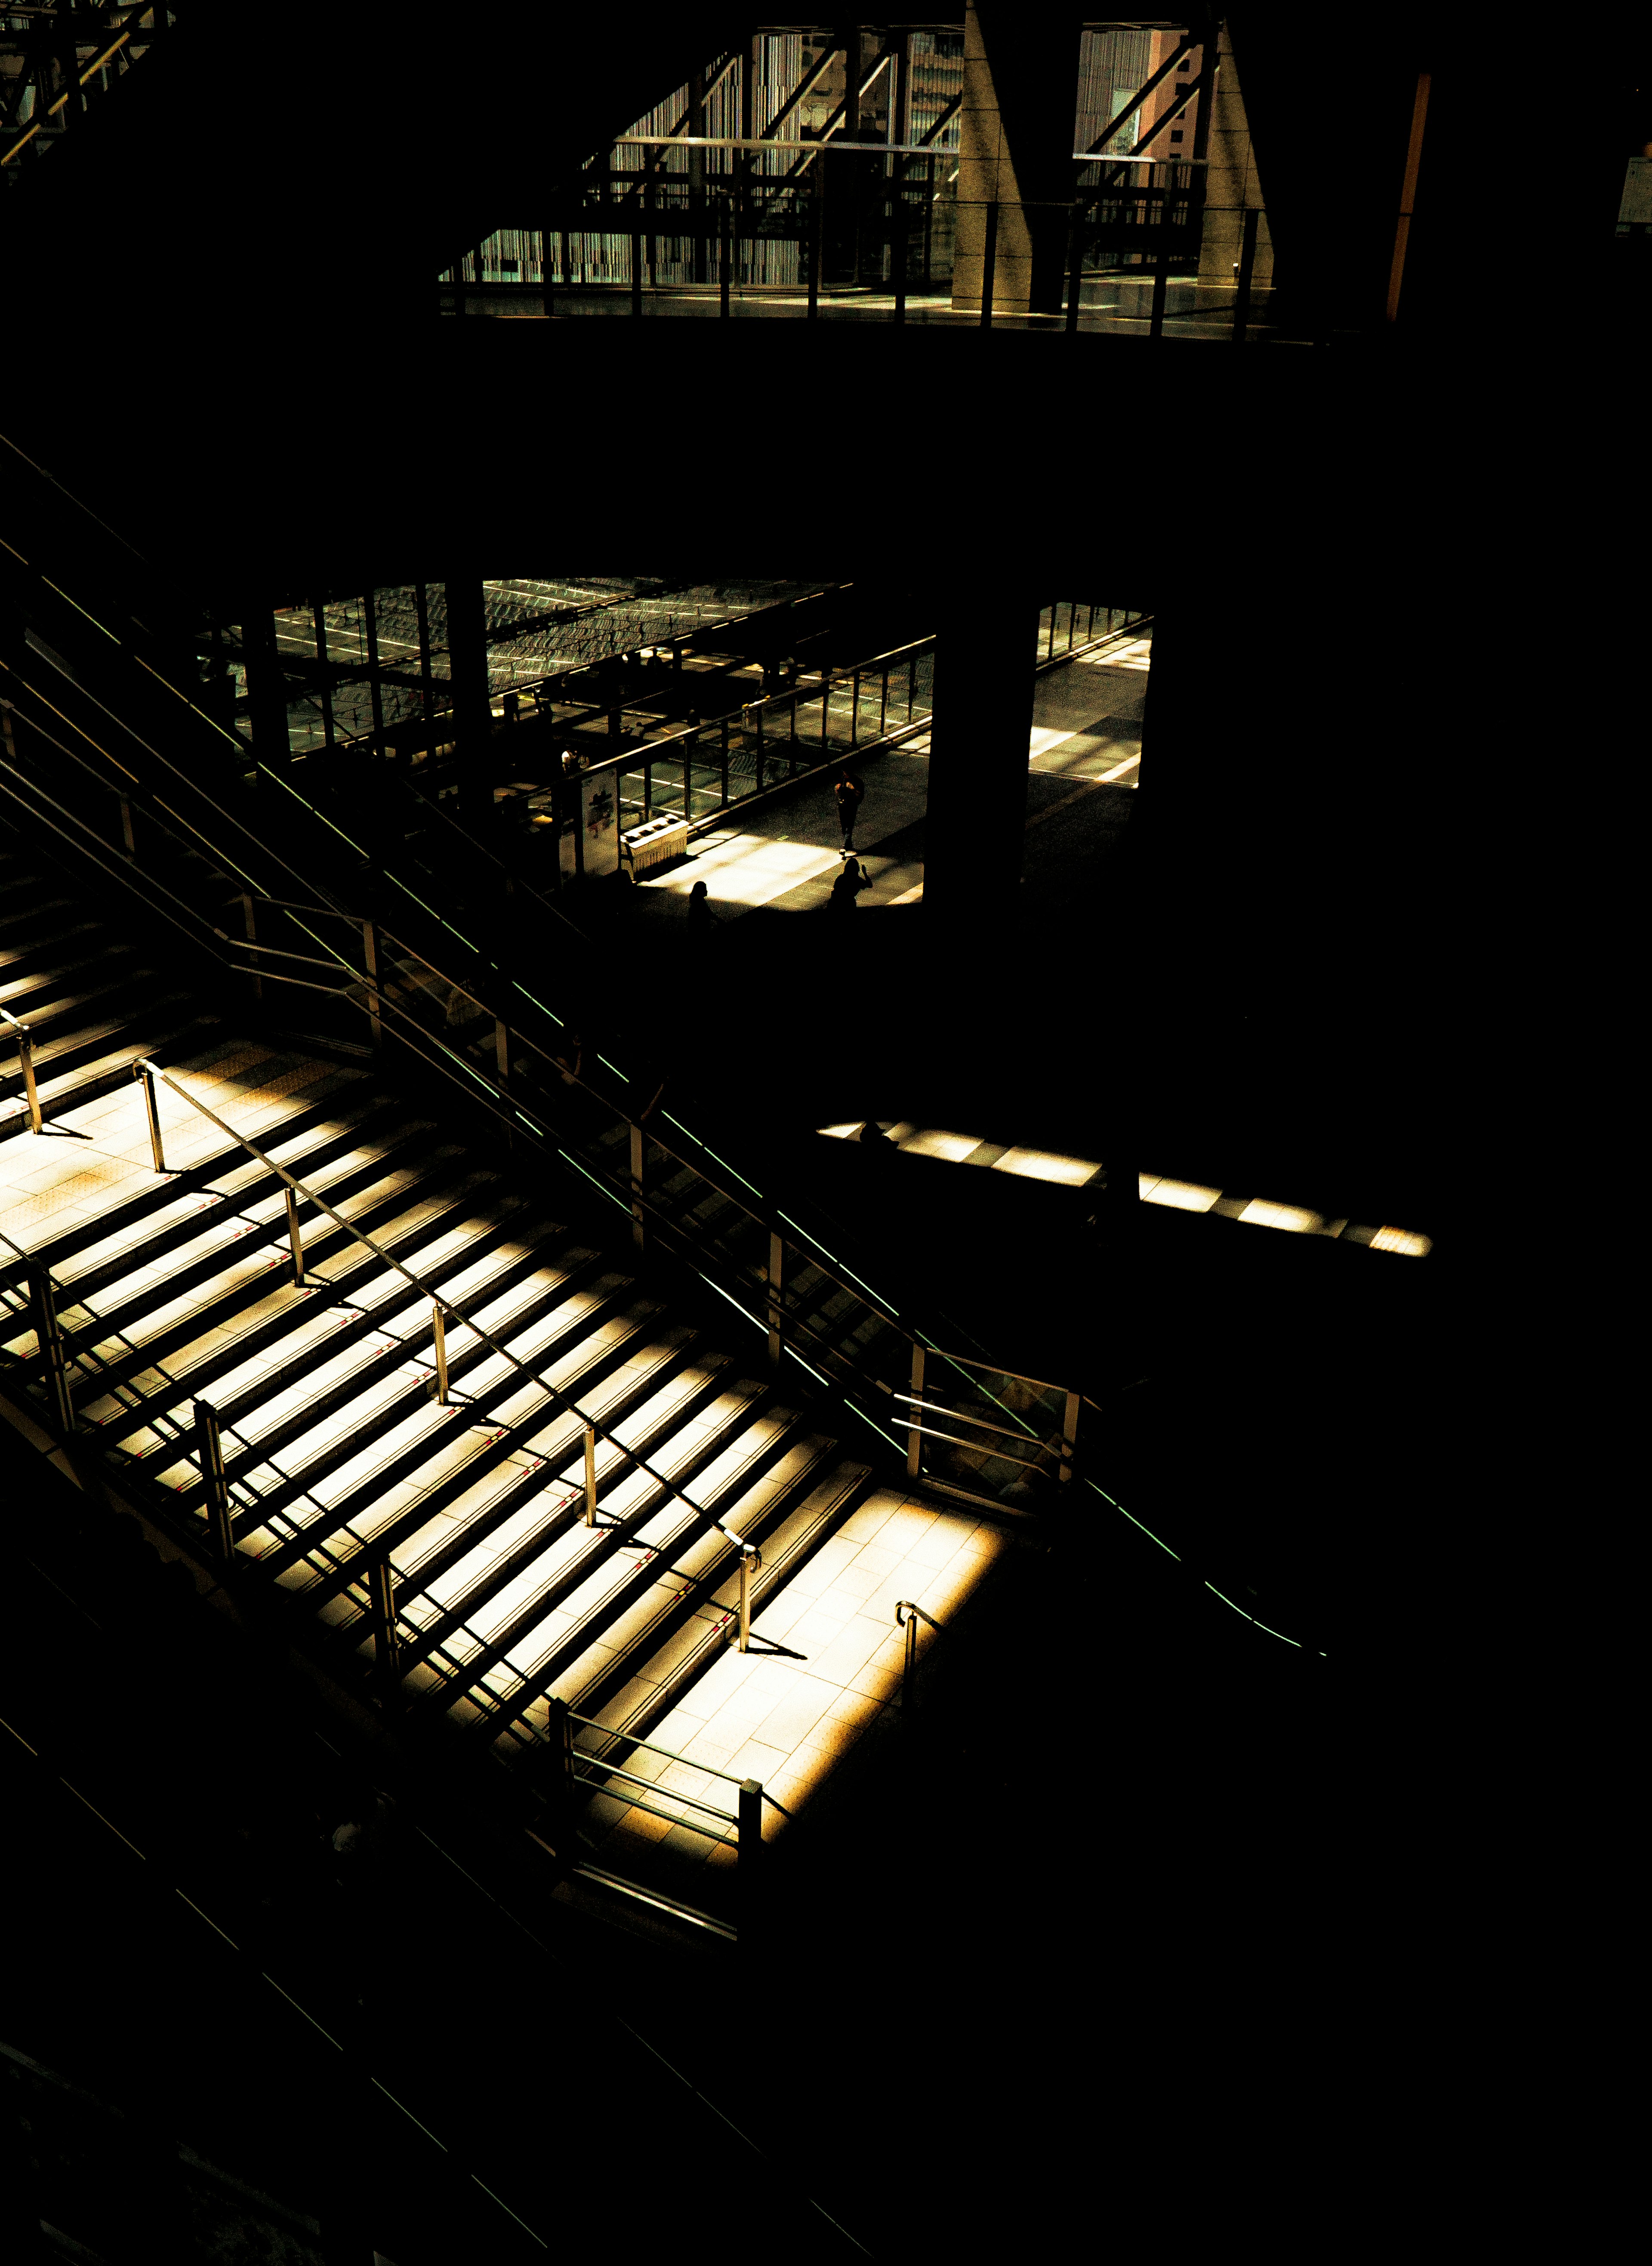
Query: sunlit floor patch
747,869
1178,1195
787,1716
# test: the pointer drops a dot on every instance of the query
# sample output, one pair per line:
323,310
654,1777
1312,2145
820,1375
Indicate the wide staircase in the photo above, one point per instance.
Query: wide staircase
492,1483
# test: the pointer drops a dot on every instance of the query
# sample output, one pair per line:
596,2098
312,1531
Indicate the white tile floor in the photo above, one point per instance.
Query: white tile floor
788,1716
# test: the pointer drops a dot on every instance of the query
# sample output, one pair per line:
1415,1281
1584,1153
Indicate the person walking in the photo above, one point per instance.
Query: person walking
850,794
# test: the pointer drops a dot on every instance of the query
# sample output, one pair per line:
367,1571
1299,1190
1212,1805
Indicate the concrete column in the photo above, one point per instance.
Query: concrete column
1233,188
1015,150
978,765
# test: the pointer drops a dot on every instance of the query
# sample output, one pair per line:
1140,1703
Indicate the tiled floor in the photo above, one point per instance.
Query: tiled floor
825,1665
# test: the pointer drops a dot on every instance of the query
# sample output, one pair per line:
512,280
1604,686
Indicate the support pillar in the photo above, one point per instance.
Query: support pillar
982,729
1015,154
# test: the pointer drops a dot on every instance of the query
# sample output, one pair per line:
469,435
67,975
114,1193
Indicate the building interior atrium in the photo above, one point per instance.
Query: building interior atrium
748,1125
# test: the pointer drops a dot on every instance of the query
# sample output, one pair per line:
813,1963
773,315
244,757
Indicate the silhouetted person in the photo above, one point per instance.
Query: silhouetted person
874,1137
701,919
512,707
850,794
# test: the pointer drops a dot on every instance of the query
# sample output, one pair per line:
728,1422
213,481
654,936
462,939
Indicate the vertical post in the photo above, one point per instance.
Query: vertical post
636,271
818,192
1069,1435
638,1229
320,617
915,1438
750,1560
696,175
899,216
725,249
1161,267
31,1091
750,1810
547,270
590,1475
369,953
142,1072
1247,267
854,707
381,1590
294,1238
560,1780
210,1455
49,1331
1075,265
989,262
369,617
909,1664
775,1285
252,937
439,1333
883,701
1408,195
421,607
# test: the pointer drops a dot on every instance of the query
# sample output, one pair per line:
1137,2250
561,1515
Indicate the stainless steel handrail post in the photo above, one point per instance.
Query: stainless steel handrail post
294,1238
776,1261
382,1593
749,1859
590,1475
369,953
209,1454
152,1106
915,1438
560,1789
639,1234
252,937
25,1065
907,1617
439,1332
750,1560
49,1333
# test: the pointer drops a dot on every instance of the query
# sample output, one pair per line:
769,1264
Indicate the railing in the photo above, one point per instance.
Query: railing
443,1312
26,1065
907,1617
699,771
983,1431
1018,1442
122,48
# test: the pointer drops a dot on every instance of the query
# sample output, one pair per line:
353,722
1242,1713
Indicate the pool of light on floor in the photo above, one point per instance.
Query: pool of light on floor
1178,1195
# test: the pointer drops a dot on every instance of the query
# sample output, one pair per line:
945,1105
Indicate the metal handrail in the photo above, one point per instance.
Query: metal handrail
386,1000
612,1770
143,1066
26,1062
961,1416
629,1739
380,1000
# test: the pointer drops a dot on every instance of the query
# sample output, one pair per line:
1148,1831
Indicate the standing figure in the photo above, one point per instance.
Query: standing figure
850,794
